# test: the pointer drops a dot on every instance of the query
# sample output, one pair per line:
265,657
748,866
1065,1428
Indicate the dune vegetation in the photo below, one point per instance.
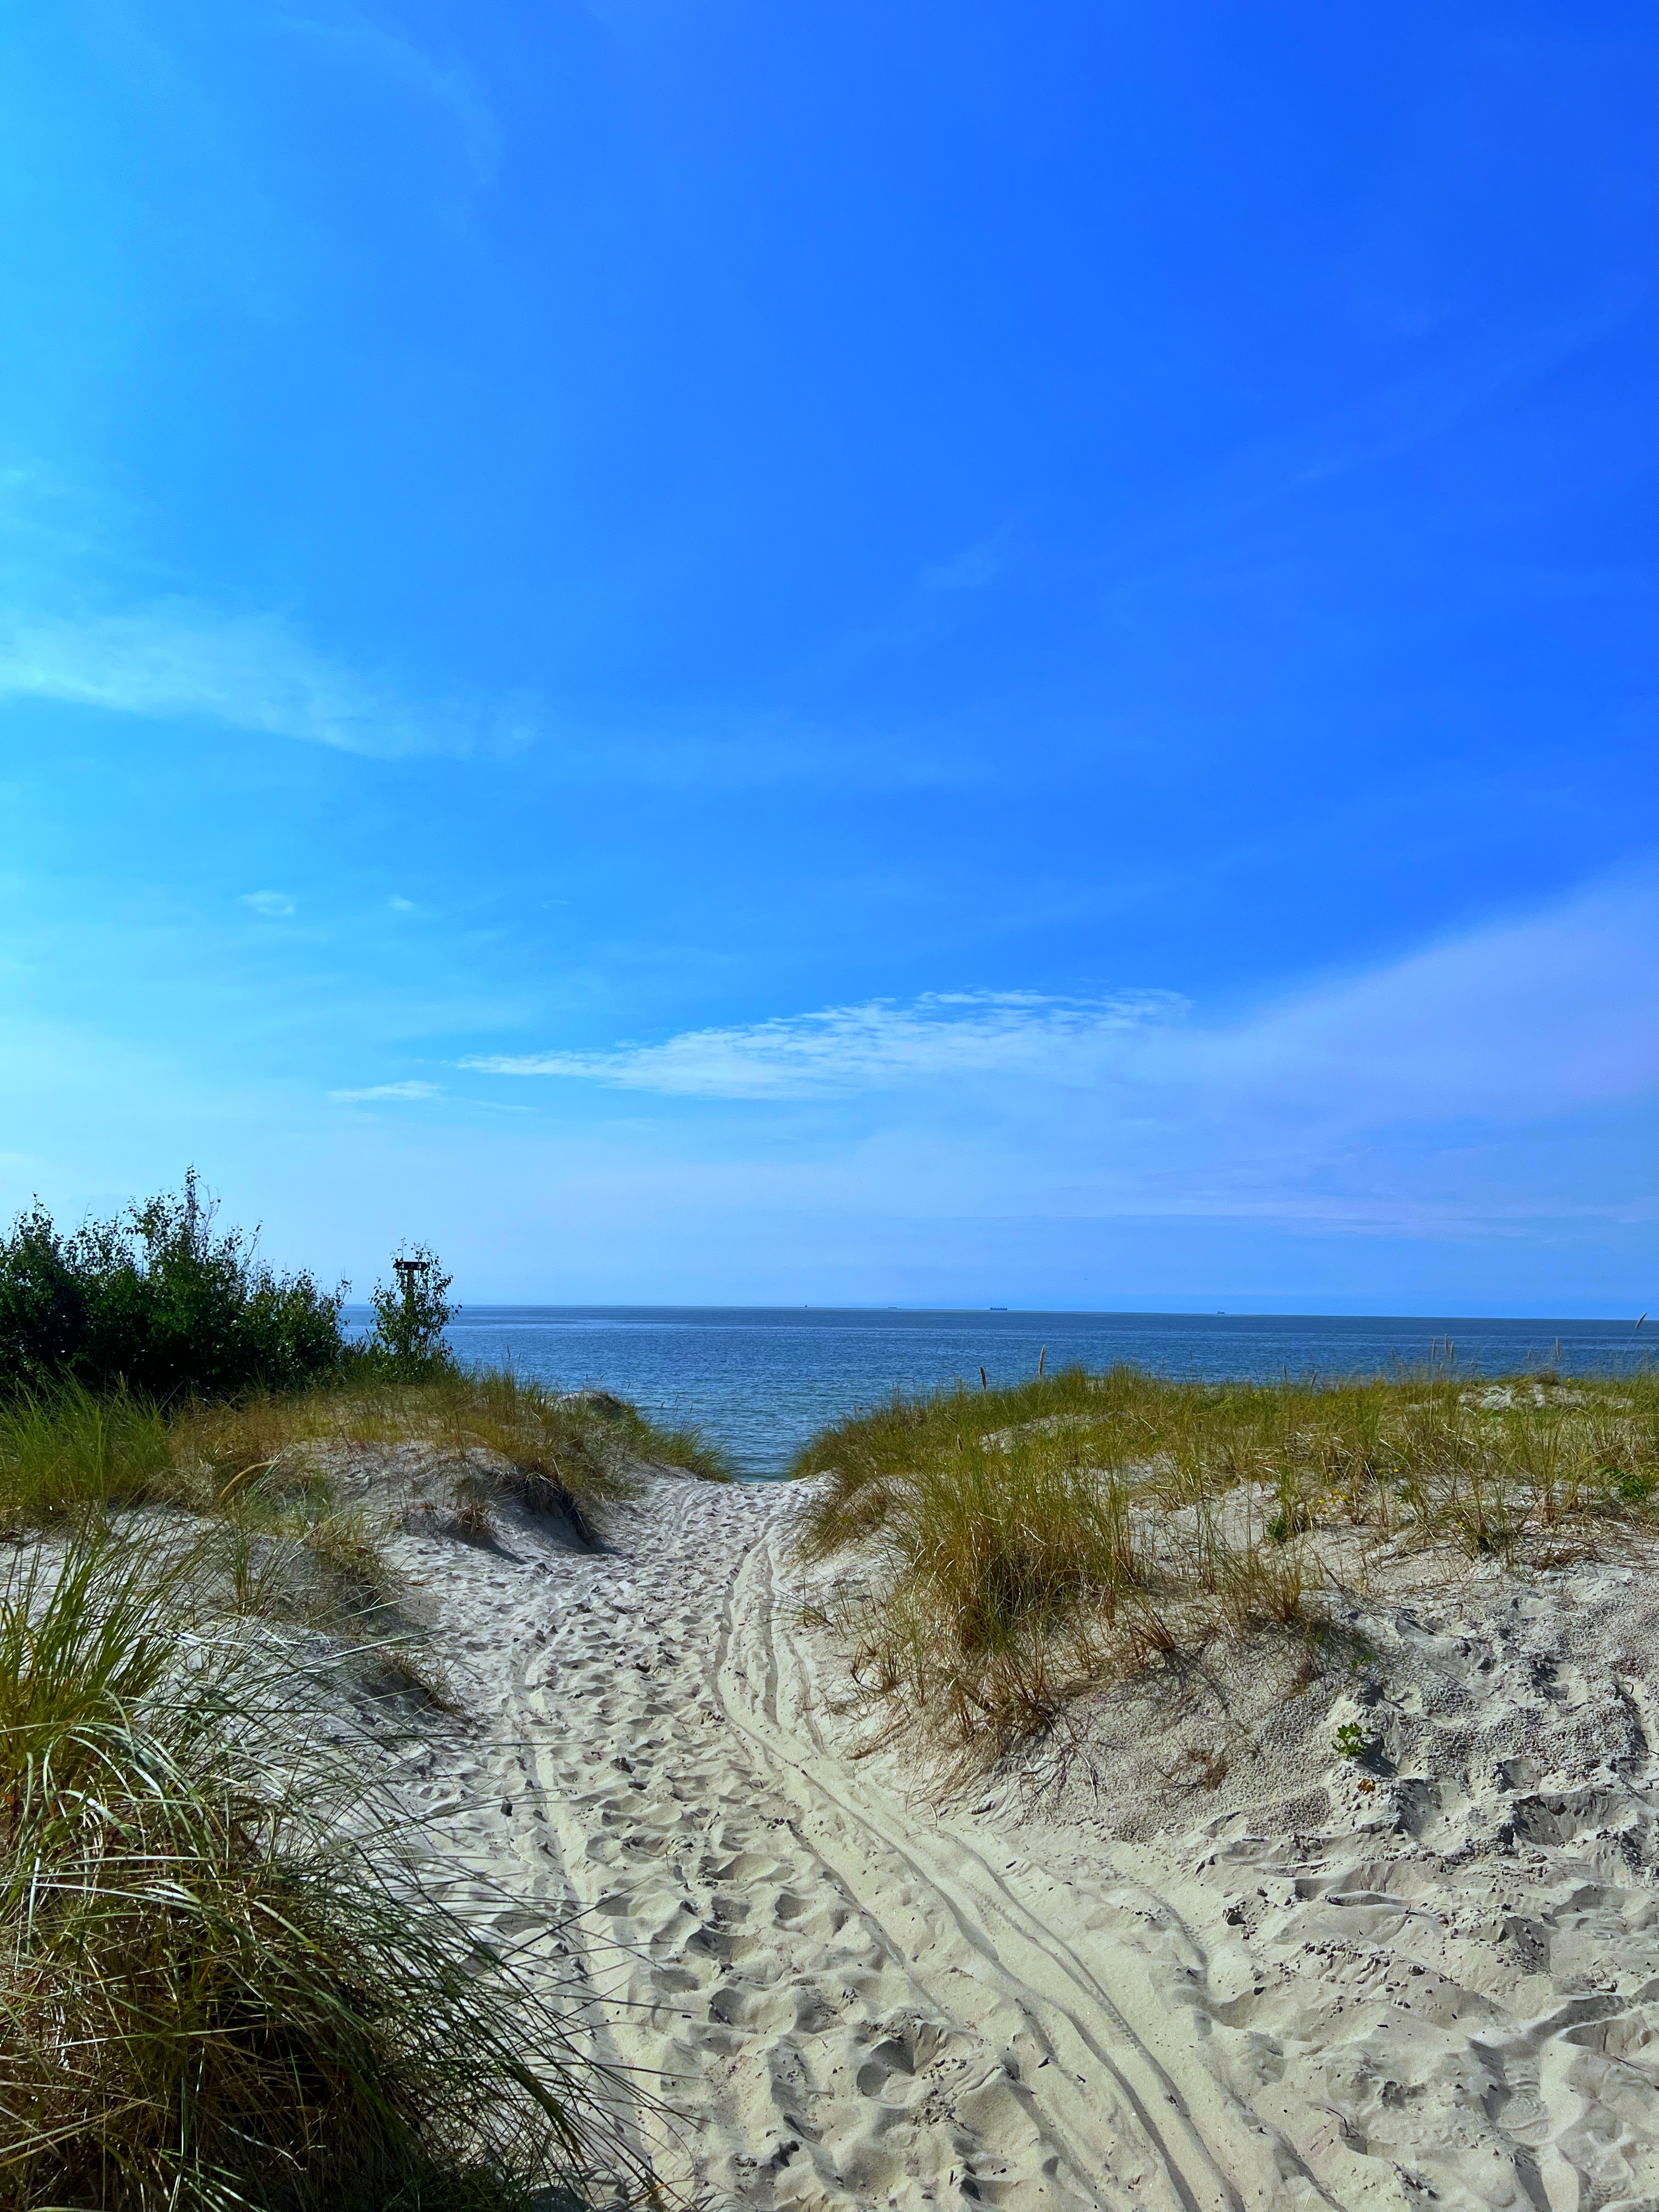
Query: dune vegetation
155,1301
994,1555
222,1983
154,1359
69,1449
224,1980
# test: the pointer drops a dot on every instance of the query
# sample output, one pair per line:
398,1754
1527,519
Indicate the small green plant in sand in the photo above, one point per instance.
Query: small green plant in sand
1003,1552
222,1984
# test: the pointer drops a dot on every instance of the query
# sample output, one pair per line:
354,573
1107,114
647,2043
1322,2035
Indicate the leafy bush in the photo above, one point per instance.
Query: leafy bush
152,1301
409,1321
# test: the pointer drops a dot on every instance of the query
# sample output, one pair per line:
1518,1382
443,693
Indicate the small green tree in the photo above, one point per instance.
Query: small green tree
410,1320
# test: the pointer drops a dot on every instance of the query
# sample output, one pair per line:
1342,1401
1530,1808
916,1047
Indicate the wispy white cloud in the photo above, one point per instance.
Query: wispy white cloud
372,1092
1550,1015
1487,1105
398,60
880,1045
179,658
969,570
273,903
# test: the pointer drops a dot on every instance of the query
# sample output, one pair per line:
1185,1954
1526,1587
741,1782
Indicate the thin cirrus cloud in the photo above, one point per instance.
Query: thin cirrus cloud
969,570
177,657
272,904
1547,1015
877,1046
399,61
373,1091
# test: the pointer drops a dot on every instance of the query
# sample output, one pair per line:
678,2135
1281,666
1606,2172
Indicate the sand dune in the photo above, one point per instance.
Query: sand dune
1205,1968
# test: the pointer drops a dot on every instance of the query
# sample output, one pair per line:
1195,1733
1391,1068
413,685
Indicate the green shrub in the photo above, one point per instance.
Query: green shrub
407,1343
154,1302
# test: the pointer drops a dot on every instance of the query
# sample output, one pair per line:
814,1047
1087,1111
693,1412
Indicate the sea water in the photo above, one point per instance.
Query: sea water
760,1380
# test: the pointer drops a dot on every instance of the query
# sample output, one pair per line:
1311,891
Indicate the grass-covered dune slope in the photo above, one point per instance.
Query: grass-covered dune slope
275,1458
223,1979
999,1554
221,1983
226,1980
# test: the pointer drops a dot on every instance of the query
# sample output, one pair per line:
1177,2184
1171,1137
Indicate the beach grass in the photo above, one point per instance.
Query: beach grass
70,1448
271,1456
222,1982
999,1553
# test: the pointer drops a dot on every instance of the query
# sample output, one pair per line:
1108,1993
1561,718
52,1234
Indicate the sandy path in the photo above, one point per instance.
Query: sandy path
858,2002
848,2005
1105,2084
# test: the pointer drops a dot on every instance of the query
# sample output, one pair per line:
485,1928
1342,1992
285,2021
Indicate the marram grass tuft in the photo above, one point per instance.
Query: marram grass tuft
1002,1554
222,1985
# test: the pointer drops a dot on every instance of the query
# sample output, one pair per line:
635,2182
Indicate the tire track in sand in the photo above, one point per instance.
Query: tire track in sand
851,2010
1104,2085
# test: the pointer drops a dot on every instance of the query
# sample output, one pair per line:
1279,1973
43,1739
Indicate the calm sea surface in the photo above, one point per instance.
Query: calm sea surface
761,1379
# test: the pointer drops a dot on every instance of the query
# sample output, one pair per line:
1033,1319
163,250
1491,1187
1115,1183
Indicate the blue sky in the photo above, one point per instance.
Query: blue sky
982,653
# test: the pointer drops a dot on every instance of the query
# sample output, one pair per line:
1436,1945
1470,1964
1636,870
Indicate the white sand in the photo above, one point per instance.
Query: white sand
1205,1968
